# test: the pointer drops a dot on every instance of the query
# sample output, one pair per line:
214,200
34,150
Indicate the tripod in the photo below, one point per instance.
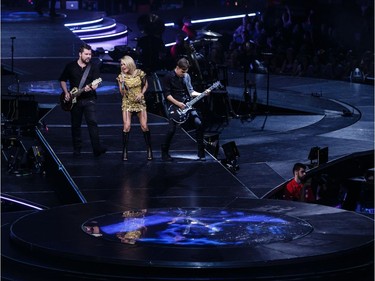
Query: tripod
249,102
267,57
12,65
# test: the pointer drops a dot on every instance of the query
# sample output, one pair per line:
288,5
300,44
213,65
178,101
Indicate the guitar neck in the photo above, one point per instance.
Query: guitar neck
196,99
80,91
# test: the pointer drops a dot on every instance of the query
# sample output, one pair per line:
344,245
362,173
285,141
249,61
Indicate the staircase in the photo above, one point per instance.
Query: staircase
103,32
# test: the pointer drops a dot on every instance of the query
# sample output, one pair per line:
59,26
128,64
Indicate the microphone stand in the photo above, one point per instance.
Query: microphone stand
12,67
267,57
12,50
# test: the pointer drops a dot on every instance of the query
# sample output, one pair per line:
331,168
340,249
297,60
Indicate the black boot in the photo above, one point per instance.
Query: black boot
201,153
165,153
147,136
125,139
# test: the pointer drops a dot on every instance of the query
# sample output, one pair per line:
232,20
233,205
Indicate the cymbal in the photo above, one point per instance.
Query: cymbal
211,39
208,33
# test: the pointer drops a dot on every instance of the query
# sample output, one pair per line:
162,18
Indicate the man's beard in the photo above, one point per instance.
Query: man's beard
85,61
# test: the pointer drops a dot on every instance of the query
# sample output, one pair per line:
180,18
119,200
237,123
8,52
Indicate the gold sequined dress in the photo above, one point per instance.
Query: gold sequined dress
133,87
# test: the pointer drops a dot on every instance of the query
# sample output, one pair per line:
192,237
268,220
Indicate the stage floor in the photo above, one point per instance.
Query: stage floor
247,239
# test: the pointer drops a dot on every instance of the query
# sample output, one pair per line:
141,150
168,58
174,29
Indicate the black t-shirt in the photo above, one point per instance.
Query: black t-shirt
73,73
178,87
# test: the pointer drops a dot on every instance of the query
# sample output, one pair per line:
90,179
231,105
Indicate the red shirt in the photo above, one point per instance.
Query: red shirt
293,191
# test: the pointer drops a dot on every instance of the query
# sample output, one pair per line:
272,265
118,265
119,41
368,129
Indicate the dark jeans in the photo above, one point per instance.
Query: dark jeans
86,108
198,129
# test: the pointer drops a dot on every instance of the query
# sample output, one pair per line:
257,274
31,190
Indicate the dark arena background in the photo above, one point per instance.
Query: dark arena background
299,88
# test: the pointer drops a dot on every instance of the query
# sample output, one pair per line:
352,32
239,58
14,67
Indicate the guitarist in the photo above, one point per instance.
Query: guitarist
85,105
178,90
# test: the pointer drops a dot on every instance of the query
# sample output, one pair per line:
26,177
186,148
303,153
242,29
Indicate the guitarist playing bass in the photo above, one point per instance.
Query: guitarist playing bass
80,74
177,90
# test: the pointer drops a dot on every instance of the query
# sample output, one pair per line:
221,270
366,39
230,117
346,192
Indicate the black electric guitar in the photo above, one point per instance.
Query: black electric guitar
74,93
179,115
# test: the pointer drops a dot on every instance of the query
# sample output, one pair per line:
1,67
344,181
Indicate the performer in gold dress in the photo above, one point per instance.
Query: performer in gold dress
133,84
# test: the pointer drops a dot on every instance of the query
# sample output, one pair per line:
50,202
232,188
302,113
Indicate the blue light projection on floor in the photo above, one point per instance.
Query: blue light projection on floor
196,227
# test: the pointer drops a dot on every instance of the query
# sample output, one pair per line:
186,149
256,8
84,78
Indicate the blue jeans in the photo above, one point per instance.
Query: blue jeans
86,108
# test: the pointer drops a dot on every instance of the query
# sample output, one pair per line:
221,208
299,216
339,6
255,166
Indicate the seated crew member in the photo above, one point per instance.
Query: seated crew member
296,190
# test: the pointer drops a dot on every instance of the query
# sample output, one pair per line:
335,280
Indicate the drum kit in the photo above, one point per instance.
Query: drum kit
208,35
200,53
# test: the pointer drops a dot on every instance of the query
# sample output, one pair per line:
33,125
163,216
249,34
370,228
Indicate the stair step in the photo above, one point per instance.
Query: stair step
102,26
120,30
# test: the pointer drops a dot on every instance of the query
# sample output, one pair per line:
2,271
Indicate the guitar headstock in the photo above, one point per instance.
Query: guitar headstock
96,82
215,85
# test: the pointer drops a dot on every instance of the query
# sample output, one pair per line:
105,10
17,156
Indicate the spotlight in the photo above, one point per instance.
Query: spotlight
313,155
318,156
231,154
357,75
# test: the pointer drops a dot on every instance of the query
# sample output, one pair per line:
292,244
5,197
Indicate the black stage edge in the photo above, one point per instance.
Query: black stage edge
54,244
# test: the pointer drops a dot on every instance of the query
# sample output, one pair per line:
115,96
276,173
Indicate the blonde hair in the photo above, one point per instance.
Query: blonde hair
130,63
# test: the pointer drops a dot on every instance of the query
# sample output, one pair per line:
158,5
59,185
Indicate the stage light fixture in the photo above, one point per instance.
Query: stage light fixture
318,156
231,155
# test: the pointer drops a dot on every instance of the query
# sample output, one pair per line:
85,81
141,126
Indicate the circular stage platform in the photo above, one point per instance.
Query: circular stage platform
253,239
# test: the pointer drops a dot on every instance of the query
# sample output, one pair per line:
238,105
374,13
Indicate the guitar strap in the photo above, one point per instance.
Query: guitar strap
84,76
82,82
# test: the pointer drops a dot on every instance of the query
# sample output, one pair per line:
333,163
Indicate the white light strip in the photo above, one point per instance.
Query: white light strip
89,29
216,19
83,23
104,36
209,20
170,44
224,18
20,202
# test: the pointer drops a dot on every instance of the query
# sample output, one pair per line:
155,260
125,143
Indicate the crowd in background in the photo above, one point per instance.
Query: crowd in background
326,43
322,39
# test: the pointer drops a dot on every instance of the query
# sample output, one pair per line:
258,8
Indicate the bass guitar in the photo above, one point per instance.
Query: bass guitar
74,93
179,115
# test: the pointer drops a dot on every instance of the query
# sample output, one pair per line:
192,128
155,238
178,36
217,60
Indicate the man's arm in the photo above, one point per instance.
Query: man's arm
64,87
176,102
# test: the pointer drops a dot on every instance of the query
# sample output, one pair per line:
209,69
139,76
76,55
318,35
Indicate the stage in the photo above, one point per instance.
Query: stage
101,218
